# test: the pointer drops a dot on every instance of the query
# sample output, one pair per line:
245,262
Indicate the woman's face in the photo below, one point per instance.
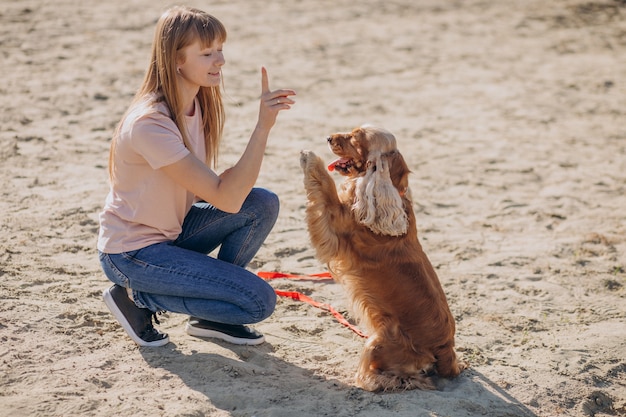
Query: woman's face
201,66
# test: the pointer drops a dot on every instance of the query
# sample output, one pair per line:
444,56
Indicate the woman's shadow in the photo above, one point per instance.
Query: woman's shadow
254,382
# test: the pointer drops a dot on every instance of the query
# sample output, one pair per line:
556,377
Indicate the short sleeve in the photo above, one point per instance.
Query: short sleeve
157,138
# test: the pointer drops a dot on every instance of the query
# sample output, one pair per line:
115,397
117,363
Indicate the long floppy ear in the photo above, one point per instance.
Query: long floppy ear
377,203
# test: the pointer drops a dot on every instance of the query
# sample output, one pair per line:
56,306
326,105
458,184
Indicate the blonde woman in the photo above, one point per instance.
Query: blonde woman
167,208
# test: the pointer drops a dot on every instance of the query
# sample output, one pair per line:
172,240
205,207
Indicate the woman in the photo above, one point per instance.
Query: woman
167,209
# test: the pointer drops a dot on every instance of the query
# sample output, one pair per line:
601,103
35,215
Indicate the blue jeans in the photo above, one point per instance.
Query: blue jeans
178,276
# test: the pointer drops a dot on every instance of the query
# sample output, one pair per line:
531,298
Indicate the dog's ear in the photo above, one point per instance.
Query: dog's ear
378,204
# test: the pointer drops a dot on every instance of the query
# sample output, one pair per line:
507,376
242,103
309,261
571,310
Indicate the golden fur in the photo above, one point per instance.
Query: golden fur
367,235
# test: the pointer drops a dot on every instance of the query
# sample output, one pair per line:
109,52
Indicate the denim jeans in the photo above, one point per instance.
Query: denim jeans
178,276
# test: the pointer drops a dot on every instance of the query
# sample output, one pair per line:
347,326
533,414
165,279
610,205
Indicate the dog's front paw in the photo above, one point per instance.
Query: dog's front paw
306,158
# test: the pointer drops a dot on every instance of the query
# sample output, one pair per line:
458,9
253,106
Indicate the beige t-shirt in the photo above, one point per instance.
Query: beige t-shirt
144,206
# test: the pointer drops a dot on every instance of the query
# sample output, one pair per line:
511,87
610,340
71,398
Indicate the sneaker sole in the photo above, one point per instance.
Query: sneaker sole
110,303
194,331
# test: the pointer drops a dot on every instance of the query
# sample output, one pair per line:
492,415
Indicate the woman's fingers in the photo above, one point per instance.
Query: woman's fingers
282,99
274,98
265,84
272,102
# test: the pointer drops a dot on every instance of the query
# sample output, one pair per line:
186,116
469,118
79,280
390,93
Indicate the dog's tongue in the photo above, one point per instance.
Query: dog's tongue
340,161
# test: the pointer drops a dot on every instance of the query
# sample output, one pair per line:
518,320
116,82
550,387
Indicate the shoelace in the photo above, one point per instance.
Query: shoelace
155,318
150,334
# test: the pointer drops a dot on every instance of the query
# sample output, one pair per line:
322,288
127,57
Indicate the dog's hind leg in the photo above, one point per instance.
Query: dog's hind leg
448,365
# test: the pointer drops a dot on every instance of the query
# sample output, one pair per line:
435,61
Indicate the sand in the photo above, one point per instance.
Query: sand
511,115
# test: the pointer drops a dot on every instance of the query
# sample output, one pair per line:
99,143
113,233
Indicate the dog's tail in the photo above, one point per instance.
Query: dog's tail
377,382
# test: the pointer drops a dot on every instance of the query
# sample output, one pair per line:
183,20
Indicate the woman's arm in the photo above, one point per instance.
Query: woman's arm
228,191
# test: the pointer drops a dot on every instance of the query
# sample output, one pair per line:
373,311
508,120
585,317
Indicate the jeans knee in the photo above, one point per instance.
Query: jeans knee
274,204
267,304
269,202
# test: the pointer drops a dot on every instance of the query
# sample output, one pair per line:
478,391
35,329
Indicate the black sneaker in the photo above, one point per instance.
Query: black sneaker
136,321
233,333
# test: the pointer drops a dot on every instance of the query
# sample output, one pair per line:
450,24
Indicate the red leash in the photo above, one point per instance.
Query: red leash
301,297
312,277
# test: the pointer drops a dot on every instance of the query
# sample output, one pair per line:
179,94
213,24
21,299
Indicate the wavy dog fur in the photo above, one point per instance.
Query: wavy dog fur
366,233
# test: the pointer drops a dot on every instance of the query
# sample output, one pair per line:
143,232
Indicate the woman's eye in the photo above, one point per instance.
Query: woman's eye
212,52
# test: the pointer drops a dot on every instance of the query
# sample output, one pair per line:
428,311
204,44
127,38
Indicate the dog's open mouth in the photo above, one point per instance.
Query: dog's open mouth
341,164
344,165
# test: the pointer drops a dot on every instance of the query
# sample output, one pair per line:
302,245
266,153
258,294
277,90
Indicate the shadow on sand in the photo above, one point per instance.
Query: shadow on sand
260,384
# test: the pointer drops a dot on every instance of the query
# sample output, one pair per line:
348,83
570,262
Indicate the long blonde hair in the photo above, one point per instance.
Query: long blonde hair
177,28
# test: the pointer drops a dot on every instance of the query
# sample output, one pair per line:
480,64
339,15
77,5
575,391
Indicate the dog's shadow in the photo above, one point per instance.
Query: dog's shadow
258,383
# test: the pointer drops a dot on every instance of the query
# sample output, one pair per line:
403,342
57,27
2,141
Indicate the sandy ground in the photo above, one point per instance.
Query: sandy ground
511,115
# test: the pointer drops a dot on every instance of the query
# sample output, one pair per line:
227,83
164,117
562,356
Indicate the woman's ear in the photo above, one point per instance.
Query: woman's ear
378,204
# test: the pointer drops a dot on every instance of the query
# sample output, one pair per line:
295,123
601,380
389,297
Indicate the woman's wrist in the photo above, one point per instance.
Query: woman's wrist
261,130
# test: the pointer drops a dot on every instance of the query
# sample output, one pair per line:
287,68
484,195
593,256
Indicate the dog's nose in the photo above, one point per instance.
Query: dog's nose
328,139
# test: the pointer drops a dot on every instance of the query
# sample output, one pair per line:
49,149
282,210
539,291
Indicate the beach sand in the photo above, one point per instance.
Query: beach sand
510,114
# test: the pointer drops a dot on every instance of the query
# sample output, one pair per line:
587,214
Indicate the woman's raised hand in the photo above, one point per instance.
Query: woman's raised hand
272,102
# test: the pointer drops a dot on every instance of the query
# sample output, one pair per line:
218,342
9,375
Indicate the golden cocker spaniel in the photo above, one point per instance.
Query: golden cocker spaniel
366,234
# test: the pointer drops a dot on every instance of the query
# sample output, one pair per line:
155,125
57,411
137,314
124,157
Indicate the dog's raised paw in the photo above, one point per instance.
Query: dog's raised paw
305,157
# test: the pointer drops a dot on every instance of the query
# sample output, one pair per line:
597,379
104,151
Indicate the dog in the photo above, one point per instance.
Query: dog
366,233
